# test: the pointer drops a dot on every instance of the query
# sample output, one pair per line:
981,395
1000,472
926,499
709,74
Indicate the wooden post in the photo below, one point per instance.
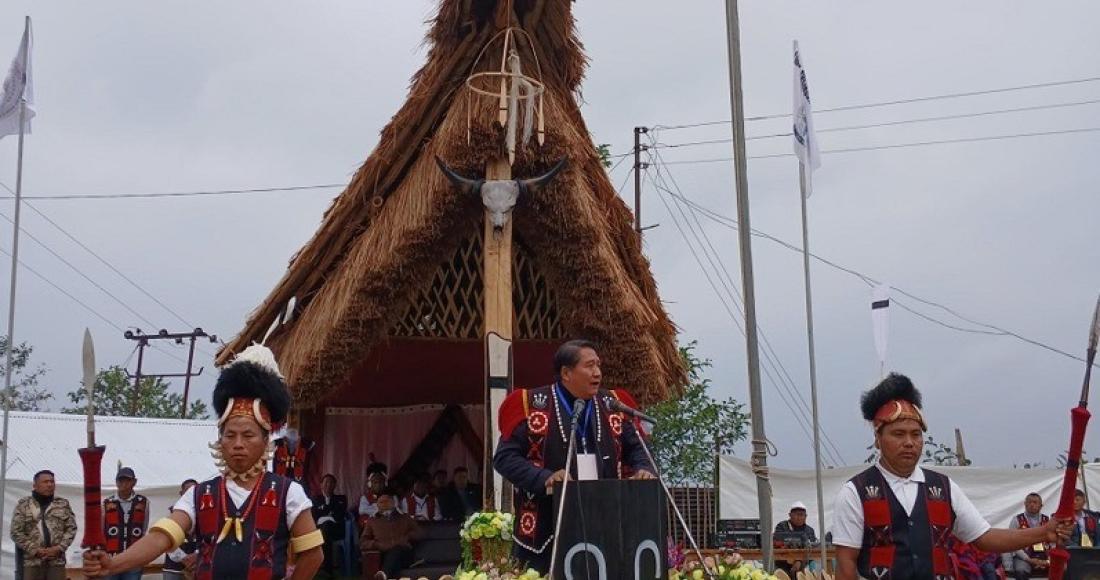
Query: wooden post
499,315
960,452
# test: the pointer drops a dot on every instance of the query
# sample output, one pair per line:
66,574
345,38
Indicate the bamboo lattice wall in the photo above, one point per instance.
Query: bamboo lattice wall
452,306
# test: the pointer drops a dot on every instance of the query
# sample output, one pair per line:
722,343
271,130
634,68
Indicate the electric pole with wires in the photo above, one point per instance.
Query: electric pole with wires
143,341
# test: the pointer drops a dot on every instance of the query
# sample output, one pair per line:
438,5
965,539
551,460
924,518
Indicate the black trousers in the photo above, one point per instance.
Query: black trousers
395,559
331,532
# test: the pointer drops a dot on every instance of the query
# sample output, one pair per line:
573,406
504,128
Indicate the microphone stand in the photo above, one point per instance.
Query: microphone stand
679,516
578,408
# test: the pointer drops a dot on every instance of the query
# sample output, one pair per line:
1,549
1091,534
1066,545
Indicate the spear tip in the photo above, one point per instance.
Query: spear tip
1094,331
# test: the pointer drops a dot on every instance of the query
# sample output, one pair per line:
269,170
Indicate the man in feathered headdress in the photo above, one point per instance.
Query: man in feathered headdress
246,520
894,520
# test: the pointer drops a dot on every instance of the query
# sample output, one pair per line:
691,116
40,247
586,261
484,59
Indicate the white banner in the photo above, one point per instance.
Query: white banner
880,320
18,85
805,141
998,493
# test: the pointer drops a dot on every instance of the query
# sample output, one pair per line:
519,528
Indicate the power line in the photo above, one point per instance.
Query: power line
109,265
897,145
79,271
888,103
706,273
771,356
176,194
998,330
78,301
885,124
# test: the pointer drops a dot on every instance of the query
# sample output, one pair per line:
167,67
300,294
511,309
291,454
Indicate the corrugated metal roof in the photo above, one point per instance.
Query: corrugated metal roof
161,451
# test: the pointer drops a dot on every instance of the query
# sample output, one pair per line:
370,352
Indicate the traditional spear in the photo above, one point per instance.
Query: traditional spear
92,458
1079,418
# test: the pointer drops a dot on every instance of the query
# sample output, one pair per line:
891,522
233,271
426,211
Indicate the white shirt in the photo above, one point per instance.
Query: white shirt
367,507
848,509
419,509
296,501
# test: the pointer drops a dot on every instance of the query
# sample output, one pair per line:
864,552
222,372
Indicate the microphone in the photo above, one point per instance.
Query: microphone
578,407
617,405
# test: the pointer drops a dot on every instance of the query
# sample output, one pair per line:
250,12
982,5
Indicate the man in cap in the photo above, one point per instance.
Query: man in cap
125,515
534,440
894,520
247,520
796,524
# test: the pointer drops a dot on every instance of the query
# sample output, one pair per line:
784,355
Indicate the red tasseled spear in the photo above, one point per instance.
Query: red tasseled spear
1079,418
91,458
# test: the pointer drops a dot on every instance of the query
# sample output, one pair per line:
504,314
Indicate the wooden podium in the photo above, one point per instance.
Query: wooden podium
612,529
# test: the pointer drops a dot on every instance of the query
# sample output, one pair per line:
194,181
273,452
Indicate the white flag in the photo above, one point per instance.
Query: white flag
880,320
18,86
805,141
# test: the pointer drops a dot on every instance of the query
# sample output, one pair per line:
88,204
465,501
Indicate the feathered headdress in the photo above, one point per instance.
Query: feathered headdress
893,399
252,386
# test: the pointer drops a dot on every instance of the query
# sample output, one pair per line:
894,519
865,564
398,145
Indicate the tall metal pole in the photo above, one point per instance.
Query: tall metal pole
744,233
11,296
813,359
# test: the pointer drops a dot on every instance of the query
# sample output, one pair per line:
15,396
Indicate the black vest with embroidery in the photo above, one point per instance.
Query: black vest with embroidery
1023,523
901,546
123,530
548,442
261,551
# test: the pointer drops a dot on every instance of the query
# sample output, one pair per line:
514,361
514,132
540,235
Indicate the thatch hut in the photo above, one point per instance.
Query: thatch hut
383,307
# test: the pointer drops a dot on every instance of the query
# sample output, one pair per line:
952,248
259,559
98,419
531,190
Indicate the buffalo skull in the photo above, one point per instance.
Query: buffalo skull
499,196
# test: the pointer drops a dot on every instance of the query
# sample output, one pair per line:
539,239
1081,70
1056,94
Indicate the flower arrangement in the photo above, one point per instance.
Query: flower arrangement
486,537
506,569
728,566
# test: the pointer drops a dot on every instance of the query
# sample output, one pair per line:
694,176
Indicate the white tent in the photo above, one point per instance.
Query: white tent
997,493
162,452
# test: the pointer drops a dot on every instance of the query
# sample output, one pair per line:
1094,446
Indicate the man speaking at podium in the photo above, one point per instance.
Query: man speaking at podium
534,430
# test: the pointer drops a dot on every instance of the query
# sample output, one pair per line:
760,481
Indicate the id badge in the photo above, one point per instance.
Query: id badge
586,467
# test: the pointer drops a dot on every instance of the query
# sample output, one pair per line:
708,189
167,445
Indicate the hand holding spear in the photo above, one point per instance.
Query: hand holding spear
1079,418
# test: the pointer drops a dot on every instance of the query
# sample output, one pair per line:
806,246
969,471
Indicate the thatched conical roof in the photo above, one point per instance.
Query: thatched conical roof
399,218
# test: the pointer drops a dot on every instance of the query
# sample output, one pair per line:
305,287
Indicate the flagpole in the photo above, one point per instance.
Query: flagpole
813,360
11,296
744,232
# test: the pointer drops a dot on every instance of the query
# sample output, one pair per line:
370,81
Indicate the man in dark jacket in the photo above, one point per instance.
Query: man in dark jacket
330,512
534,442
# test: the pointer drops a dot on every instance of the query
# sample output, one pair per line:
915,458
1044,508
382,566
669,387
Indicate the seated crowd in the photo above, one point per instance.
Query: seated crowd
388,516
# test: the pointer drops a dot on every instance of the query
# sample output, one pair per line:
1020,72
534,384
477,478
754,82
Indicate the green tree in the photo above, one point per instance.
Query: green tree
26,394
604,151
115,395
693,428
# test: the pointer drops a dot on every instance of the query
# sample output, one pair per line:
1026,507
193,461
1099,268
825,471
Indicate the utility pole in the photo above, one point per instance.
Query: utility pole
143,341
759,439
638,166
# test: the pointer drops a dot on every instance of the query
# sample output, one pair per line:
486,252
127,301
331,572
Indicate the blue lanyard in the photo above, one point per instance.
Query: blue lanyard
583,421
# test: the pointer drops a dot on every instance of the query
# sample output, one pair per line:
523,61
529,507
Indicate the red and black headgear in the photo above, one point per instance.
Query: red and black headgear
252,386
893,399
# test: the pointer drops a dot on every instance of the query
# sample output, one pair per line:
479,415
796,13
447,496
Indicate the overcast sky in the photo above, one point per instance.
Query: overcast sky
174,96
